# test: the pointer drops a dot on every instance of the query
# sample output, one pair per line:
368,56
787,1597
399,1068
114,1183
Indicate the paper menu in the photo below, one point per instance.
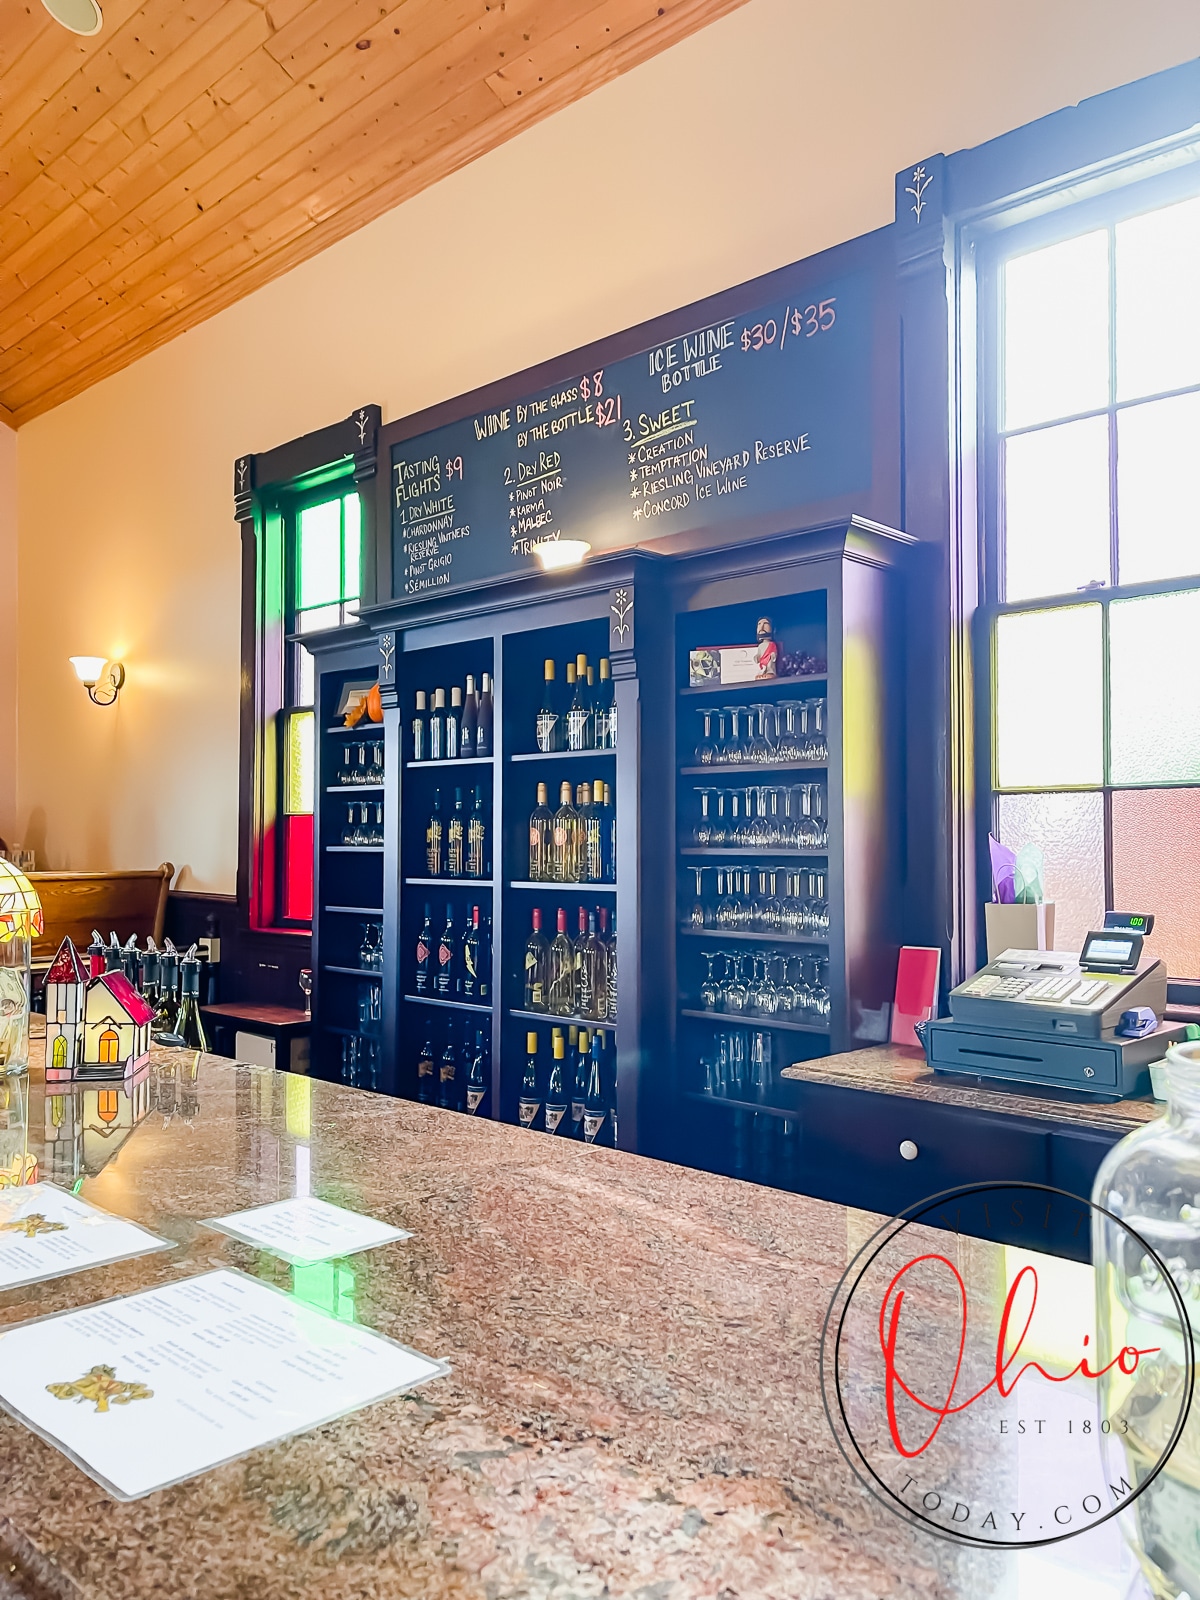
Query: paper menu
147,1390
45,1232
306,1229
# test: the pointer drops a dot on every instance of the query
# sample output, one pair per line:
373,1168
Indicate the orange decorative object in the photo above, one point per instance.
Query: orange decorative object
355,714
374,703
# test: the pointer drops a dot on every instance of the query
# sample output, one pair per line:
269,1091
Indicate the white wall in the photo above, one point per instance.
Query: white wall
8,635
772,134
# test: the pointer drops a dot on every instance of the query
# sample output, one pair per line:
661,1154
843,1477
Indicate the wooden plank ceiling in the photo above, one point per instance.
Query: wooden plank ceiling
195,149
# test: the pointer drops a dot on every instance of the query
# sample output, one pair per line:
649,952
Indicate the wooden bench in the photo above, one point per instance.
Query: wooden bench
73,903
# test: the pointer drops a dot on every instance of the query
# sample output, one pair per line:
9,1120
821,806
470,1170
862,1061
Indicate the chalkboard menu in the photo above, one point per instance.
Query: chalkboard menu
750,415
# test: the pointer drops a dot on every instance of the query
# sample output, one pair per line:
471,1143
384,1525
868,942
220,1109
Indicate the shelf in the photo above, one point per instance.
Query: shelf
447,1005
562,755
754,852
558,888
748,938
747,1019
347,1033
355,911
351,788
740,1105
353,972
732,690
353,849
589,1023
456,761
375,729
455,883
741,768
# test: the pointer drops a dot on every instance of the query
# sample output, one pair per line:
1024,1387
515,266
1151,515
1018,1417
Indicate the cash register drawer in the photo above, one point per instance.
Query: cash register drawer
1010,1055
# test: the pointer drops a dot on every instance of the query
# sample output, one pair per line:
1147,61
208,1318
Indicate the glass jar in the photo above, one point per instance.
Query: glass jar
1151,1182
20,922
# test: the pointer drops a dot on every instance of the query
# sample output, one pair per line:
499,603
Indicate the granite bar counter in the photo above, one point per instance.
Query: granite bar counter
633,1407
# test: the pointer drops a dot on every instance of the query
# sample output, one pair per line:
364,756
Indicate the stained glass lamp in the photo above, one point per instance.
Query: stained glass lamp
20,922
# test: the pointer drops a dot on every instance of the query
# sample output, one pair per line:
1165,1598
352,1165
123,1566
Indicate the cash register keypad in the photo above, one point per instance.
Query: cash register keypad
1057,989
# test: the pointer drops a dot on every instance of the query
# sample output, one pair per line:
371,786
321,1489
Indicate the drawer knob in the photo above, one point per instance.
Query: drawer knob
908,1150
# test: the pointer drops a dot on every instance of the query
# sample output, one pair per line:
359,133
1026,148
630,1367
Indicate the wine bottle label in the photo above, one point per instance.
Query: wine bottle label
422,952
424,1068
554,1115
454,850
576,1110
475,832
577,722
593,1121
526,1111
535,838
560,837
537,997
474,1100
447,1072
547,731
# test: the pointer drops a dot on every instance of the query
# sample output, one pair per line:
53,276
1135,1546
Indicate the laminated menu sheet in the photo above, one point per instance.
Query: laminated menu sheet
45,1232
152,1388
306,1229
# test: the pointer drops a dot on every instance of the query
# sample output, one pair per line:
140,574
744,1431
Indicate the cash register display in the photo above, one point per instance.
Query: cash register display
1111,951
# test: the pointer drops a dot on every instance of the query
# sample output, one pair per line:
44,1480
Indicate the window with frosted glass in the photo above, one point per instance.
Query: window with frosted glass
1095,567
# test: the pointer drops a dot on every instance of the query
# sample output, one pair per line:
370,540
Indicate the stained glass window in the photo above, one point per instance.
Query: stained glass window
1095,706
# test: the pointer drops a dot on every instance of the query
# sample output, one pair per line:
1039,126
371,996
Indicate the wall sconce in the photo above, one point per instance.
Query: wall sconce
554,554
101,678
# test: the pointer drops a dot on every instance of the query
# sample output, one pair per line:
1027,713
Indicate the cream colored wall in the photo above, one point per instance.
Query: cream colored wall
774,133
8,635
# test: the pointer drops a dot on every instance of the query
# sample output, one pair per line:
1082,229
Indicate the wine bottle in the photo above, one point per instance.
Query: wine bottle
591,974
474,985
477,856
608,835
419,728
549,725
611,1007
453,724
168,991
95,953
437,726
469,727
426,1083
608,1081
529,1103
566,839
435,839
556,1088
424,952
483,734
577,710
537,956
579,1073
188,1029
112,954
477,1077
148,977
606,709
591,824
448,1072
131,960
541,839
445,980
560,971
592,713
594,1108
485,960
456,839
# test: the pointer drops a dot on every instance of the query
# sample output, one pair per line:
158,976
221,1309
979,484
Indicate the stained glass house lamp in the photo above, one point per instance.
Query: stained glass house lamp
20,923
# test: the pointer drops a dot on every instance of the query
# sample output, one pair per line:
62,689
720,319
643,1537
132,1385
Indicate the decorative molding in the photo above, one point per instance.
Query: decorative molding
620,628
364,425
920,208
921,179
387,660
243,488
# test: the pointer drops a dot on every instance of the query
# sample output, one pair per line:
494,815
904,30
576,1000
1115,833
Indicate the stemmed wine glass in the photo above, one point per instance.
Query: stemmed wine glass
710,989
703,831
733,750
697,917
707,750
733,990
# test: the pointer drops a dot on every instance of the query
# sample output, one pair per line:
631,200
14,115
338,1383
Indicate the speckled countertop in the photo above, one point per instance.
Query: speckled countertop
896,1069
633,1408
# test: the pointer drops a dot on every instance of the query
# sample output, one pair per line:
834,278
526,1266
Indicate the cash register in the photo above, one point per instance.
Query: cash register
1089,1022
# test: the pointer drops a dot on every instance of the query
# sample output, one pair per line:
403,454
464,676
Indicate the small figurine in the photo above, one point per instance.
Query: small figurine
767,654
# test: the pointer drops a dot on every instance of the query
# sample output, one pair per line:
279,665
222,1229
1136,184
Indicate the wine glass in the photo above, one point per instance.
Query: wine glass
734,750
702,832
757,748
696,916
710,989
733,989
820,748
707,750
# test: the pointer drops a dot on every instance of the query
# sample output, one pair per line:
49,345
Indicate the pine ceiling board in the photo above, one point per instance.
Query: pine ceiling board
179,196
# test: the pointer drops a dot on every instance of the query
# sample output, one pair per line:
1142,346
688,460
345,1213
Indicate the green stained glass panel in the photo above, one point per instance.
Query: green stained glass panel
320,555
1069,828
1154,669
1049,699
1158,489
298,759
352,580
1158,310
1056,537
1056,331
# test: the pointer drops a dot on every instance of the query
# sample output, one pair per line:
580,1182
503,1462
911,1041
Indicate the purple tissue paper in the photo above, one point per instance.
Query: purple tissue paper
1004,872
